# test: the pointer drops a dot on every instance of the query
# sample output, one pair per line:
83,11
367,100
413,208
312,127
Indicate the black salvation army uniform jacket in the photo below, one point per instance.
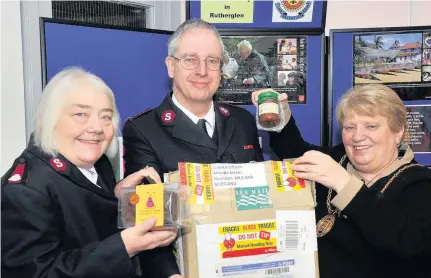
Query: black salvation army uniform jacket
57,223
164,136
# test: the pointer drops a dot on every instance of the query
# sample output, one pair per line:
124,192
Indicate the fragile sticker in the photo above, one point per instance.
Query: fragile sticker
284,178
247,239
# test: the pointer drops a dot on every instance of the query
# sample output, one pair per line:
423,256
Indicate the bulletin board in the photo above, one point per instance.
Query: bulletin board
130,61
399,58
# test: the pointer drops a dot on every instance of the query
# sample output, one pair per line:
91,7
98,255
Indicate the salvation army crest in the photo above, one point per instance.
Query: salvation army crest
292,10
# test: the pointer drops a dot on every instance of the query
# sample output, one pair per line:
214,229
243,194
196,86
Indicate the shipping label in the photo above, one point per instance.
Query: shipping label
280,268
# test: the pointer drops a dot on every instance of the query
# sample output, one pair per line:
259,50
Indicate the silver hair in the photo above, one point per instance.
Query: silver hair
244,45
187,25
53,100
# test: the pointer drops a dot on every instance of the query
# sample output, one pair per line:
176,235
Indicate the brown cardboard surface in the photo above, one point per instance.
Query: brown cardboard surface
224,210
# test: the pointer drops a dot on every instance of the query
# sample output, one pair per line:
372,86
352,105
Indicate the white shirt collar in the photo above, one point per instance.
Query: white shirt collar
90,174
209,117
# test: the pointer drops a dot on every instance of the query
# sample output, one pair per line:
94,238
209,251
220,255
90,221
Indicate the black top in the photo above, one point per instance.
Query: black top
164,136
57,223
381,234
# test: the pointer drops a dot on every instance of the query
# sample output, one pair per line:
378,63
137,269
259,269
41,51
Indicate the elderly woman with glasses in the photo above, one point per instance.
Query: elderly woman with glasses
59,209
373,211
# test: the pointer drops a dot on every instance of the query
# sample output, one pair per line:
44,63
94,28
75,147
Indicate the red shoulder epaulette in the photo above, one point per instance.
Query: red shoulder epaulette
18,173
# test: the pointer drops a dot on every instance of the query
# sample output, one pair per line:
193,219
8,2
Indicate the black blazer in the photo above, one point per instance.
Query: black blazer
57,223
164,136
380,235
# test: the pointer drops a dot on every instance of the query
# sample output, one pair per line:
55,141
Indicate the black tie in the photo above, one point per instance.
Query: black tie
202,126
101,183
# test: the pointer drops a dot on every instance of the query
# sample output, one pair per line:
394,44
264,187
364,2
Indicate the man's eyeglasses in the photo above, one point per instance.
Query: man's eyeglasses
192,62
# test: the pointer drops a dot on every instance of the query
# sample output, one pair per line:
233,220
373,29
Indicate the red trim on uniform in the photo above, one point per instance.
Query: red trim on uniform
17,174
223,110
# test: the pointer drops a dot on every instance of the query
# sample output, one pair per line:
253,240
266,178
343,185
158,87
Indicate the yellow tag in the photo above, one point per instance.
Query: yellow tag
278,177
150,203
190,168
198,178
207,181
284,177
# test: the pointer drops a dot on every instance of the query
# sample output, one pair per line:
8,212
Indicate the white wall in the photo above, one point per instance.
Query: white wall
375,13
12,132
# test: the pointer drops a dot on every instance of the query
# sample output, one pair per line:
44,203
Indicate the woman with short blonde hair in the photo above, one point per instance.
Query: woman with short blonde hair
373,211
59,207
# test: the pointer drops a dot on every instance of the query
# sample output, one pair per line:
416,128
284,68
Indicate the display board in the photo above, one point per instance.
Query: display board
130,61
274,14
399,58
284,61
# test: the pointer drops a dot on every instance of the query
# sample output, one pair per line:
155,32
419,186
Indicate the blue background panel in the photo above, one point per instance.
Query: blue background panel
131,63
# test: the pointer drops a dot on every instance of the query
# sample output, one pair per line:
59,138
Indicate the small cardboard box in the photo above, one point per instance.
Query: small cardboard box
166,202
249,220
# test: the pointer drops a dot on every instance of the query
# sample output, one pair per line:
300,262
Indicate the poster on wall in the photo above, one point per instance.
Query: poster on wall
292,11
400,61
227,11
251,63
419,130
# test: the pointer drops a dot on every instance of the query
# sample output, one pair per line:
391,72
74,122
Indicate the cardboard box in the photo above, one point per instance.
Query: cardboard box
250,220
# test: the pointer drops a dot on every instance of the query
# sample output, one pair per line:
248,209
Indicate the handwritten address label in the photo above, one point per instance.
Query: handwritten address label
238,175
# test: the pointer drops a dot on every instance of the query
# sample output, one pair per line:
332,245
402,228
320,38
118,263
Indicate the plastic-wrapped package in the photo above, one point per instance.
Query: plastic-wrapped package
166,202
270,113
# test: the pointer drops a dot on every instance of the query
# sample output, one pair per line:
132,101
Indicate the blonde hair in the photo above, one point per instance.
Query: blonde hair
54,97
244,45
372,100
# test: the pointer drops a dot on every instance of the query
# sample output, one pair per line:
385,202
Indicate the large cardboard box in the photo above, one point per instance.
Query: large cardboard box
249,220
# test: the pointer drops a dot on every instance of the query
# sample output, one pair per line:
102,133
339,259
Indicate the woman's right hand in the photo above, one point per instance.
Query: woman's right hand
281,97
140,237
136,179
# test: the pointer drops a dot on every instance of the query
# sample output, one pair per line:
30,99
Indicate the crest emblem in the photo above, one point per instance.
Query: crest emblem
294,10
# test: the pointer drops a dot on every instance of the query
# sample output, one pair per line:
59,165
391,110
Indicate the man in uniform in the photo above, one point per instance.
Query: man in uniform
188,125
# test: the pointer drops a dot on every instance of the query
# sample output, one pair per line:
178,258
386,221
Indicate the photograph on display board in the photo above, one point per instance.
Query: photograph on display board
427,40
253,63
393,59
419,128
426,57
426,73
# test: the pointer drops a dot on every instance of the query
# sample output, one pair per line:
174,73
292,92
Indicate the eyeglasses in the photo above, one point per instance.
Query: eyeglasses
192,62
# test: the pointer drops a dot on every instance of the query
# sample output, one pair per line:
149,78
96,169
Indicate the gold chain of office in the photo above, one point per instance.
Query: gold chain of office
326,223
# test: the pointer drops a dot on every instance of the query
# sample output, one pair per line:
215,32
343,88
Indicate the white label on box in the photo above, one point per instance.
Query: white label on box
262,269
296,230
238,175
248,249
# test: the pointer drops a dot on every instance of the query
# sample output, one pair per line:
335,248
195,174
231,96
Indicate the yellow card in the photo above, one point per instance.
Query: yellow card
216,11
149,203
